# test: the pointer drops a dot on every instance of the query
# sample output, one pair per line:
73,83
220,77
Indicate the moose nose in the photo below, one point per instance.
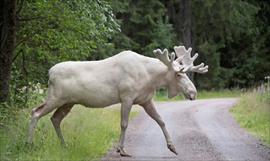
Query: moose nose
192,96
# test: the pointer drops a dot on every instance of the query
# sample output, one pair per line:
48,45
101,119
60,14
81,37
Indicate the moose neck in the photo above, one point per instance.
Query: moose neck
161,76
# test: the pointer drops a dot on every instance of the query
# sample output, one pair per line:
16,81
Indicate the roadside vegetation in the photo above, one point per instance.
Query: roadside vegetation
89,133
253,113
161,95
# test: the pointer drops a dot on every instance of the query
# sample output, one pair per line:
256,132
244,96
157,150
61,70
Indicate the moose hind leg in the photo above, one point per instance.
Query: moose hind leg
57,117
37,113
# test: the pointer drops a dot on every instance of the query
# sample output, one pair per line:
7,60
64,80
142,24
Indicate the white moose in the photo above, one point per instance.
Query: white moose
127,78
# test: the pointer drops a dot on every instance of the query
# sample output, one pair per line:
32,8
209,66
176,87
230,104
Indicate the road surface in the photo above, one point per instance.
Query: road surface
200,130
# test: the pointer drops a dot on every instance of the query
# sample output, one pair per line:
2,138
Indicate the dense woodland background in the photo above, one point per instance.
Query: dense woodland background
231,36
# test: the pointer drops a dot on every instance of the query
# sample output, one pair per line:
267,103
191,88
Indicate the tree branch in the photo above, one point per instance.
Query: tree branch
20,7
20,42
14,58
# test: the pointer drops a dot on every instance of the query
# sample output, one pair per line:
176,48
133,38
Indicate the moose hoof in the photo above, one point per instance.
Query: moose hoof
122,152
172,148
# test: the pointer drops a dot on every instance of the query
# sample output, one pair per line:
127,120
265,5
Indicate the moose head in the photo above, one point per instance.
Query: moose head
177,69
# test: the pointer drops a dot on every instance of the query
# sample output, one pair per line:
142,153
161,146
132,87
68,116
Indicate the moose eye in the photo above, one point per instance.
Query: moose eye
179,74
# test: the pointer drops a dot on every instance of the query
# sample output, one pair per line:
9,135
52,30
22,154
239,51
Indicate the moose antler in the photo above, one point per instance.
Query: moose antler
164,57
186,61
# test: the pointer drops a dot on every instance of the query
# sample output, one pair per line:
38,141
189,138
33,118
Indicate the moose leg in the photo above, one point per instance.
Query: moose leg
151,111
125,110
37,113
57,117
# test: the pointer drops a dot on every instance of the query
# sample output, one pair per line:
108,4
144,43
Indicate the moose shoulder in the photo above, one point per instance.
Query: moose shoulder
127,78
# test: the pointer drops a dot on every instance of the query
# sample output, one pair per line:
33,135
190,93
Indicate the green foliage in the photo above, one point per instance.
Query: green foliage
252,112
162,36
53,31
89,133
223,93
64,30
144,26
209,51
227,39
232,37
162,95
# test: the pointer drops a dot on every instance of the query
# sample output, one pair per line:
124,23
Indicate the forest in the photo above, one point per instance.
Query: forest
231,36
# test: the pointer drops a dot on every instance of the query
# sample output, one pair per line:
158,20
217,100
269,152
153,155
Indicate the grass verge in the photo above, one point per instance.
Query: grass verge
202,94
225,93
89,133
253,113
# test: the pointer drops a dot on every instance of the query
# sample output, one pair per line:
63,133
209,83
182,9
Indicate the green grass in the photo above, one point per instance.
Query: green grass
89,133
163,96
253,113
225,93
202,94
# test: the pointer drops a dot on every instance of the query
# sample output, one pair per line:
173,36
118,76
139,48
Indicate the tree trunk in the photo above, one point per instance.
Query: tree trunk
186,18
186,25
180,15
8,40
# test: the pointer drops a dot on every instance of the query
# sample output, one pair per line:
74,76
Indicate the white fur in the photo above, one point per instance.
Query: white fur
126,75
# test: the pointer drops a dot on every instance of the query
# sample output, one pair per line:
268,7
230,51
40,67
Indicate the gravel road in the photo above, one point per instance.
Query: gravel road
200,130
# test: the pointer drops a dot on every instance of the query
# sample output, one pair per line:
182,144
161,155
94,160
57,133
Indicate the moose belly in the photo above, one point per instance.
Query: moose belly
93,103
93,96
97,100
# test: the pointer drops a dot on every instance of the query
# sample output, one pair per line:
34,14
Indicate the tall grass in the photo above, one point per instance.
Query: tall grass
253,113
224,93
89,133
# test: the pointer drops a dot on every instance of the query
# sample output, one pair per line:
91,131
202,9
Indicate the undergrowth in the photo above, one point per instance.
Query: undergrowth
89,133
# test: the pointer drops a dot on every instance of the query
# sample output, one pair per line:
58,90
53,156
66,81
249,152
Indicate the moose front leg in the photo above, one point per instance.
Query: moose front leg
125,110
151,111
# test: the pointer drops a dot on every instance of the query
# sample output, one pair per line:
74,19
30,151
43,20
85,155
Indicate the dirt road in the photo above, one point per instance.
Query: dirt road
201,130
